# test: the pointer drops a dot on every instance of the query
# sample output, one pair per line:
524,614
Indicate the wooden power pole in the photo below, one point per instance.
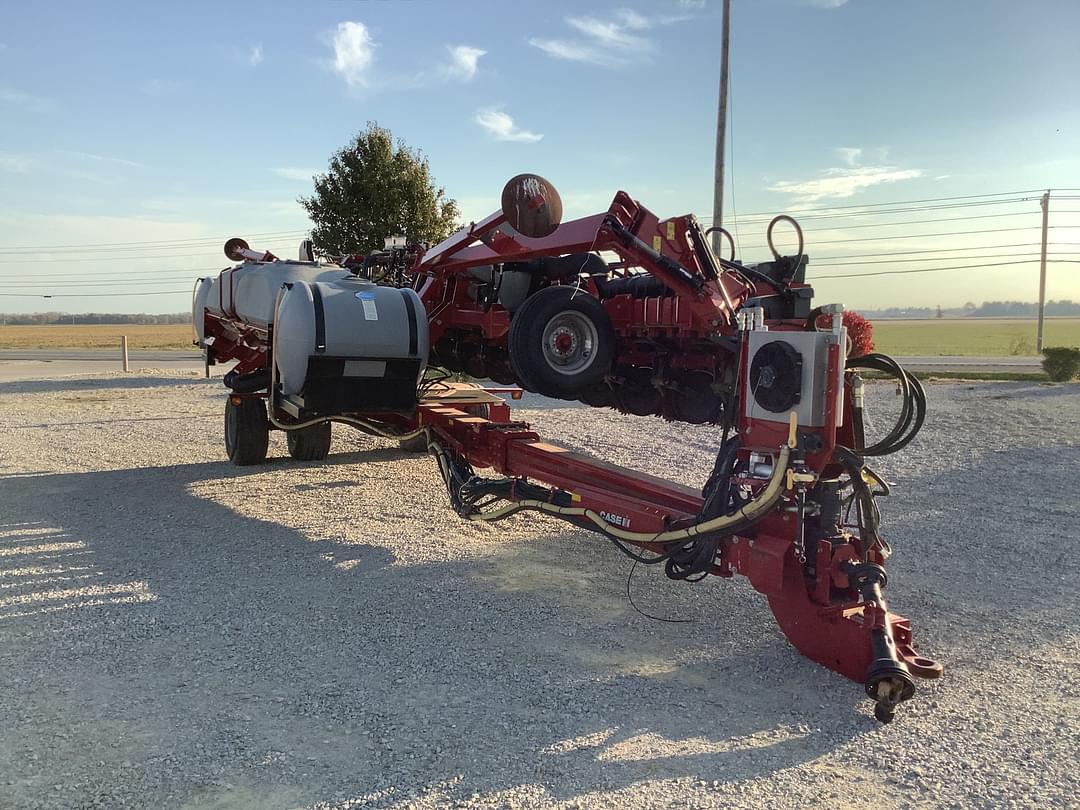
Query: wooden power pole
721,130
1045,203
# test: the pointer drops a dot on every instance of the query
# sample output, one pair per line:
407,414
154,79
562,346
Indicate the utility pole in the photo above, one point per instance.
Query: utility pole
721,130
1045,203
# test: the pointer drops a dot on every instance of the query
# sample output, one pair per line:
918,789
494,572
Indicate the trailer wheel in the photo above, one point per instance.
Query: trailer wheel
247,430
310,443
561,342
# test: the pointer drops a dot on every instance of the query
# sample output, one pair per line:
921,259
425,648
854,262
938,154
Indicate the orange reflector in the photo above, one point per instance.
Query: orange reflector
236,400
516,394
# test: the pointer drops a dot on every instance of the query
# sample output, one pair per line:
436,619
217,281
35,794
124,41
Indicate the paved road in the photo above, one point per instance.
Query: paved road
1017,365
30,363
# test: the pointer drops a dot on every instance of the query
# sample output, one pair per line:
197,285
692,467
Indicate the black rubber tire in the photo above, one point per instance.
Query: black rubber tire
310,443
526,342
247,431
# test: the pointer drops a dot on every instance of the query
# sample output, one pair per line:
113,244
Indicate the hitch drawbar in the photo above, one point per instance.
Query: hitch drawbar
850,630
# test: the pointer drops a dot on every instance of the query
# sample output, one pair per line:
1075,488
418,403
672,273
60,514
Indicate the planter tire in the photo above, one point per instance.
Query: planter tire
561,342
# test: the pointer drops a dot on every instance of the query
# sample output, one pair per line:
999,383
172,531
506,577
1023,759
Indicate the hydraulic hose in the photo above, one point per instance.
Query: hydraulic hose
912,409
743,517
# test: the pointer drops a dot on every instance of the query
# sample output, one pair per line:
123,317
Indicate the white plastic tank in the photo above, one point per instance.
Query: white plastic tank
371,332
199,297
248,291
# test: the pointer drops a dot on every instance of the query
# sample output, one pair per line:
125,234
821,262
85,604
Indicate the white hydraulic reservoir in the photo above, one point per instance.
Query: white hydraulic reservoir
350,345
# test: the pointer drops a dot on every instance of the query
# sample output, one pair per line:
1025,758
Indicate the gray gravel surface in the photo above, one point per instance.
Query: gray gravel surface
177,632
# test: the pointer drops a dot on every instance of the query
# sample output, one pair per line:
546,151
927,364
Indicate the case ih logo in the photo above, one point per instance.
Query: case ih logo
616,520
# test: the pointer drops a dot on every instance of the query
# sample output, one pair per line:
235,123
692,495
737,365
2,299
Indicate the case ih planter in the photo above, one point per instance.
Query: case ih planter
619,309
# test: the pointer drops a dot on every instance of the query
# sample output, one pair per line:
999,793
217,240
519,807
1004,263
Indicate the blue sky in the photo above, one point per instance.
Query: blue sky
144,122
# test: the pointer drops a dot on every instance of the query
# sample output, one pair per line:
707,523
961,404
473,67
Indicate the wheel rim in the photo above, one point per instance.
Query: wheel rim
569,342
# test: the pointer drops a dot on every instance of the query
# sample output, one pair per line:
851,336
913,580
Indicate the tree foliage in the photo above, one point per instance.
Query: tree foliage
1061,363
375,188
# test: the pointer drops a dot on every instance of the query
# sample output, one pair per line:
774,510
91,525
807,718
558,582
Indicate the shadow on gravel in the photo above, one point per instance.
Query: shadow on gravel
163,649
992,546
99,383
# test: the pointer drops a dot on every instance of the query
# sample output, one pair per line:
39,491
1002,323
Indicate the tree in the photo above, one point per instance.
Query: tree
373,189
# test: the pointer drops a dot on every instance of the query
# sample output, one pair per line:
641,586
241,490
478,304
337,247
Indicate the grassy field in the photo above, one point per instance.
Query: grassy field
58,336
981,337
986,337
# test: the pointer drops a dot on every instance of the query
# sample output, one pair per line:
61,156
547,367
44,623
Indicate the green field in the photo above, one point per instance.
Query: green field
973,337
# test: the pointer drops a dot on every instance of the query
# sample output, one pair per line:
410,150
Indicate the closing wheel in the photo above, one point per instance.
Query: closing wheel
311,443
561,342
247,430
694,400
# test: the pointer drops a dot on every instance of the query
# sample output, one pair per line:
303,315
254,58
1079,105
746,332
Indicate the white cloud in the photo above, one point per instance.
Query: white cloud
576,51
613,42
610,32
255,55
692,5
354,52
37,104
463,62
103,158
849,154
828,3
16,164
502,127
631,19
290,173
840,183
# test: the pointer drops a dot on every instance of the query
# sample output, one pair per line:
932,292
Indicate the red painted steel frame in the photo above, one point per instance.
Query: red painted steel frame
822,617
698,311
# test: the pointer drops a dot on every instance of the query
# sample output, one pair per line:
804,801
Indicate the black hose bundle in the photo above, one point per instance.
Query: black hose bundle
912,409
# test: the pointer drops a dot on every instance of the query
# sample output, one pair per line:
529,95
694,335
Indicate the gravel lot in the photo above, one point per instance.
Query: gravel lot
177,632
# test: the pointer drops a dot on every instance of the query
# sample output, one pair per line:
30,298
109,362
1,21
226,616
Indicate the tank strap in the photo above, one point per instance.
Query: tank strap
410,312
320,319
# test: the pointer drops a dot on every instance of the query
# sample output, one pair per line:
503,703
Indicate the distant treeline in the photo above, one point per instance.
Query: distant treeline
42,318
988,309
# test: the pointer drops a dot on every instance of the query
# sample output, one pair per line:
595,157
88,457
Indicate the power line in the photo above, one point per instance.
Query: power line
186,272
91,283
920,235
761,220
936,269
208,239
819,259
91,295
818,213
916,222
165,256
939,258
